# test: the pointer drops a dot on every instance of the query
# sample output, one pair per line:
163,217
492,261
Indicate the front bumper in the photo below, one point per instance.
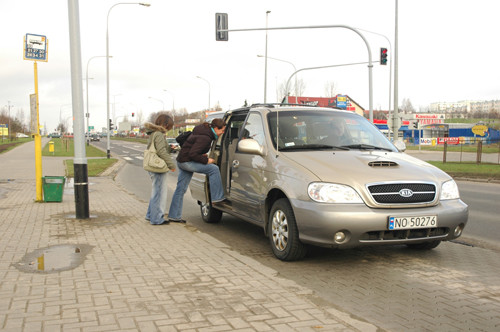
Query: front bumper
318,223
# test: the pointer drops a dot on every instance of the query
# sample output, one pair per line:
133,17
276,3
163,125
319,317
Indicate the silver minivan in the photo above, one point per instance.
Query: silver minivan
327,177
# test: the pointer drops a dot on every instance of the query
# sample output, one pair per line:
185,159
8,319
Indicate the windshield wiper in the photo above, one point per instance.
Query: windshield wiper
313,147
366,147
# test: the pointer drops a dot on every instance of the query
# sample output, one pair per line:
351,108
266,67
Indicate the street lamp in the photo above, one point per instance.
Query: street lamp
9,130
161,101
265,66
107,63
87,82
173,103
294,69
201,78
60,116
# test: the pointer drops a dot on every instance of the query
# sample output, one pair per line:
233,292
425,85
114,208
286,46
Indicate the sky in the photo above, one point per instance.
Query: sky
448,51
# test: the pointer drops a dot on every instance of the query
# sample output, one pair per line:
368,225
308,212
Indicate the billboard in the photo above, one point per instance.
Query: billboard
314,101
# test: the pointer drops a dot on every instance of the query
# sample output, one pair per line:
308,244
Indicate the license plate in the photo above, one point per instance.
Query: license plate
412,222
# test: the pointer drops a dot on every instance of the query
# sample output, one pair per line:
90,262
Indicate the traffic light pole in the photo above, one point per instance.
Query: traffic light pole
221,33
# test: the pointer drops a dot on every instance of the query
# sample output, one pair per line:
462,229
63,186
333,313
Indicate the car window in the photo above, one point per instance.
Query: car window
309,129
253,128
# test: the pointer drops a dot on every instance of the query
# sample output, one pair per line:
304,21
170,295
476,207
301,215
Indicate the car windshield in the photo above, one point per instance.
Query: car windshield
325,130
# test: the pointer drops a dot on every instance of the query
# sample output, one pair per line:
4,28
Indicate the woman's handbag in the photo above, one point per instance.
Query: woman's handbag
152,162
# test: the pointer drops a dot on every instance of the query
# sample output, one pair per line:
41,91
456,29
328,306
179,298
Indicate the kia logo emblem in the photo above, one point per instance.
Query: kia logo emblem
405,193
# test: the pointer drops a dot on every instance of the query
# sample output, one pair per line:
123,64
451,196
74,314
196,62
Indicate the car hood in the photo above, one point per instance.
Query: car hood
357,167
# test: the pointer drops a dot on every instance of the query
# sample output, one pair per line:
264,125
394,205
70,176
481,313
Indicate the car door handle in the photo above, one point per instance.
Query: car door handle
236,163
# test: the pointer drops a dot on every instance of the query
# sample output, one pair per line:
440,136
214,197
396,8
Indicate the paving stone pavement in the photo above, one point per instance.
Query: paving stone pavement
116,272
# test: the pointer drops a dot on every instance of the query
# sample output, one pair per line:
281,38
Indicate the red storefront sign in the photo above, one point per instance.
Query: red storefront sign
449,140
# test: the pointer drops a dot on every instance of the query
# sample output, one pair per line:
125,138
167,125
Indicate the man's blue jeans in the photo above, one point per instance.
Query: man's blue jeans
158,200
186,171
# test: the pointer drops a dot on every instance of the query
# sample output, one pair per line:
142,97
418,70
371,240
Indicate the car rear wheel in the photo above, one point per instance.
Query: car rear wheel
283,232
209,214
425,245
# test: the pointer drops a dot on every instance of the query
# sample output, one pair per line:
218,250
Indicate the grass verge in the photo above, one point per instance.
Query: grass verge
469,170
95,167
64,147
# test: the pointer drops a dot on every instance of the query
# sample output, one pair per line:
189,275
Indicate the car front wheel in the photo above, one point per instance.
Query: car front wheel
283,232
209,214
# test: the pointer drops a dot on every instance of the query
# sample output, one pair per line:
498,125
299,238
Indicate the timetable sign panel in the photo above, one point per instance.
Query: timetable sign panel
35,47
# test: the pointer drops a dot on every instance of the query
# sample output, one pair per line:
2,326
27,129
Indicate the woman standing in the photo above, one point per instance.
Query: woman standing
158,200
193,158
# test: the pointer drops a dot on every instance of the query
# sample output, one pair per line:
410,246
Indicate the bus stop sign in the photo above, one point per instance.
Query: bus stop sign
35,47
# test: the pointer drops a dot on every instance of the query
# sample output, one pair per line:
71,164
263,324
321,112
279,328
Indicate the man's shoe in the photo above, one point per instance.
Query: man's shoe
225,201
181,221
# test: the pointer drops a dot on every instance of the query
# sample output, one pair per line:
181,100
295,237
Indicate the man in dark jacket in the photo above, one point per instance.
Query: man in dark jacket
193,158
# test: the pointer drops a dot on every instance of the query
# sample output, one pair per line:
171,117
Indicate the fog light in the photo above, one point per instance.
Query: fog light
458,231
339,237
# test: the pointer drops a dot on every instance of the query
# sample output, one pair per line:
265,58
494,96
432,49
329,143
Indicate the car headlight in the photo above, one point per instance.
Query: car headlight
332,193
449,190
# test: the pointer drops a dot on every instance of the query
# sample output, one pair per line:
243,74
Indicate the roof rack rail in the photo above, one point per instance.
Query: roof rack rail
272,105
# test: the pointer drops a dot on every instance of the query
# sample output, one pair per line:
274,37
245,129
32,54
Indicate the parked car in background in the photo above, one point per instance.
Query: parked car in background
174,146
330,178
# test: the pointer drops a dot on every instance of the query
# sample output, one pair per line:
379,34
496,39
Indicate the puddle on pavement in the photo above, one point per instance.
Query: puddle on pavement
54,258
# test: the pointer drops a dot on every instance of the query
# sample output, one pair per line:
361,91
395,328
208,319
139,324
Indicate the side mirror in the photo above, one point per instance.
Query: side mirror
400,145
251,146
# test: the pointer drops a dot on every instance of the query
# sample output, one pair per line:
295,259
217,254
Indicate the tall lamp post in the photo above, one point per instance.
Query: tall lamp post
9,129
294,69
201,78
107,66
161,101
173,103
87,90
265,66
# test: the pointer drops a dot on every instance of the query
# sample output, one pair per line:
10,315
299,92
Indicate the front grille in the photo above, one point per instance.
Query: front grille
422,233
392,193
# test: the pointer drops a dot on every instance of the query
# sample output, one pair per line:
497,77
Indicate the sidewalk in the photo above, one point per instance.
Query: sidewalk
116,272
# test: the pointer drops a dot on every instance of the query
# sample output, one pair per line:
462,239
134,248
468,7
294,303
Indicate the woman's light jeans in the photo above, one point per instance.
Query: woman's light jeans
158,200
186,171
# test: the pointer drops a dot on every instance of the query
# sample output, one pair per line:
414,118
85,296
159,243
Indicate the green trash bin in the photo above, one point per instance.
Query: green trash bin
53,187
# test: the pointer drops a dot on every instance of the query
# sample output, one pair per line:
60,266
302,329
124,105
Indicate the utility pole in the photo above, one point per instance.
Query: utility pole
265,66
9,129
81,183
395,115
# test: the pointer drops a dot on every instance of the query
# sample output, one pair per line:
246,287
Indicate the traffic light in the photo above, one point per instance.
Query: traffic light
415,124
383,56
110,124
133,114
221,24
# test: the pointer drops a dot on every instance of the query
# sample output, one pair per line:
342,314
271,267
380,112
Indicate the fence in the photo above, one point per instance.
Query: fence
483,151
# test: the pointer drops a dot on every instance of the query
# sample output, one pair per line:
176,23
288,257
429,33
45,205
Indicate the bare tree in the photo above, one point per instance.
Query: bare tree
406,106
292,89
300,88
330,89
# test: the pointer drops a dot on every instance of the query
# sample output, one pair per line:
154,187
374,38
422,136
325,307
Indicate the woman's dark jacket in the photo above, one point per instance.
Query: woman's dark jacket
197,145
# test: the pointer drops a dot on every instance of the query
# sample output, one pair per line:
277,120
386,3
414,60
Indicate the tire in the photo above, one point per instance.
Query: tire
424,245
209,214
283,232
